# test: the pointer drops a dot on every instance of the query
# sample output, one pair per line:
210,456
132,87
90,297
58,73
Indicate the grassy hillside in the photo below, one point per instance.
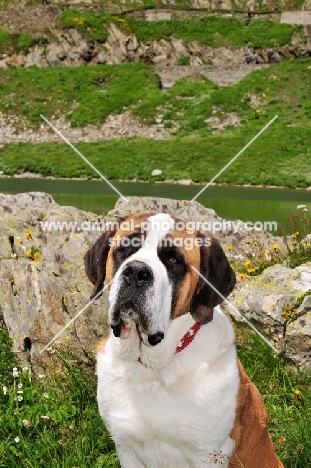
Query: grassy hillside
210,30
87,95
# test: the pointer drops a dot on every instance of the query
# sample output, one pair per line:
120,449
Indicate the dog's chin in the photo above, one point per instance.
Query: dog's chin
127,326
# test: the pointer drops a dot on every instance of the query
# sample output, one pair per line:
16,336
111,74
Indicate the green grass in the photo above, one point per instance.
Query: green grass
289,424
71,434
98,90
17,43
87,95
212,31
193,158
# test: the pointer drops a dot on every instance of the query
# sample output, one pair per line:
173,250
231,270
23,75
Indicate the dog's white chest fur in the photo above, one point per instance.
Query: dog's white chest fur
179,415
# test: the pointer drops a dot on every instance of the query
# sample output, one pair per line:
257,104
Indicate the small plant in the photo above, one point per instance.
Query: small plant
299,247
184,61
290,311
264,259
33,253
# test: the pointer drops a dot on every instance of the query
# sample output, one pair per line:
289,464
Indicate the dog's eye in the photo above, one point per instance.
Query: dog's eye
122,249
172,259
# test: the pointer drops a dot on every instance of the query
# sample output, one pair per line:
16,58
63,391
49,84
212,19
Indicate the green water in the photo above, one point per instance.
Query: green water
245,203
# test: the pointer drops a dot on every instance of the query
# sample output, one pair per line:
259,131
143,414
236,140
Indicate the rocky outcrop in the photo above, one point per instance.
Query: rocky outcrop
41,293
70,49
43,284
245,242
298,332
125,125
267,299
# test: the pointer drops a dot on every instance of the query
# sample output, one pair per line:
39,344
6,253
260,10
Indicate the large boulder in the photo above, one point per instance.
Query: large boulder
40,294
38,297
268,299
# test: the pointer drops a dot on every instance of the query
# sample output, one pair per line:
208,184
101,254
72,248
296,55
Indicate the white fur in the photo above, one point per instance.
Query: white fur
171,410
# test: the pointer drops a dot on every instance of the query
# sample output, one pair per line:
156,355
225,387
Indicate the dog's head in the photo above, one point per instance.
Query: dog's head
152,263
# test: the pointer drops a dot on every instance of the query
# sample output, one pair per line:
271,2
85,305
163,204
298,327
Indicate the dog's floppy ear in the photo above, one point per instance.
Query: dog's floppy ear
95,261
215,267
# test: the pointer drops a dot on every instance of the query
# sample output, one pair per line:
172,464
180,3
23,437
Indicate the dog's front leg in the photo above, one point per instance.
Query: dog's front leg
127,457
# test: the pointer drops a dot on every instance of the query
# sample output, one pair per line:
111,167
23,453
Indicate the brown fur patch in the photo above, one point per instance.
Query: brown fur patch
137,220
100,348
253,445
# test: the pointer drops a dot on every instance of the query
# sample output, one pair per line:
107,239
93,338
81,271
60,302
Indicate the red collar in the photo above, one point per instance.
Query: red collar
188,337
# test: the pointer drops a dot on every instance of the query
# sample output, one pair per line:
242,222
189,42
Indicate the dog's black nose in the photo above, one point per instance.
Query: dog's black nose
155,339
137,273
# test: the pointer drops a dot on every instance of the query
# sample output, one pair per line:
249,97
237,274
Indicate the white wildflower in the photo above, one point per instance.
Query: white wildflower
15,372
26,422
44,417
41,376
19,391
25,369
5,389
17,439
300,207
305,209
20,385
20,398
45,395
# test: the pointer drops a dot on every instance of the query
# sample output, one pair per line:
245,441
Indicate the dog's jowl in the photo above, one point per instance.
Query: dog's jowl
170,388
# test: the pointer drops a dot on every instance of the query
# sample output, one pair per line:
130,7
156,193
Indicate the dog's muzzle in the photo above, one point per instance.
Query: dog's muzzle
136,279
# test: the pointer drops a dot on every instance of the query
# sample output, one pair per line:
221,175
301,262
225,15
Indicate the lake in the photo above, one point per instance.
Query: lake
229,202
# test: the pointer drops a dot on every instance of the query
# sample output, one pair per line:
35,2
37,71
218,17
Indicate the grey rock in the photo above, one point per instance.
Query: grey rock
39,297
264,298
298,335
156,172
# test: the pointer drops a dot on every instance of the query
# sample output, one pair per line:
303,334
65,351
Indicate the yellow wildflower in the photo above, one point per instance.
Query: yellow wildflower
19,240
247,263
275,246
265,252
297,392
37,256
29,252
229,247
254,242
28,234
242,276
294,243
251,270
256,268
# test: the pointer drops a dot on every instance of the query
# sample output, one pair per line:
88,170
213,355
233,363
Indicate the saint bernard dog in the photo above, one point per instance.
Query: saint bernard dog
171,390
